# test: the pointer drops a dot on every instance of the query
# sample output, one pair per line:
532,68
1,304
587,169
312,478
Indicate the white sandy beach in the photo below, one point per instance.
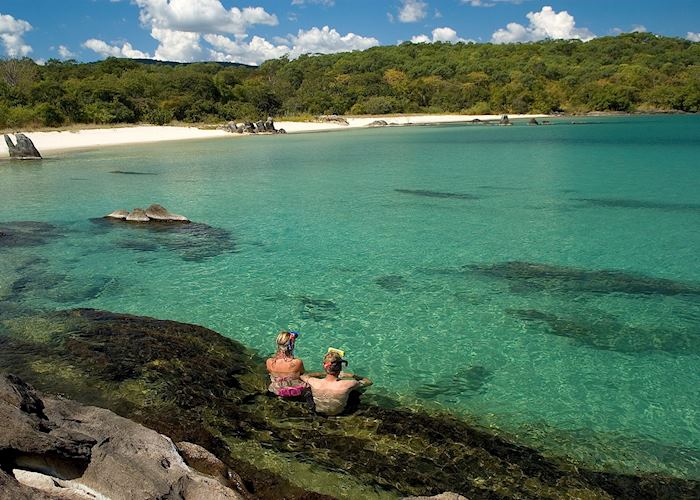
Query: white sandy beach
56,141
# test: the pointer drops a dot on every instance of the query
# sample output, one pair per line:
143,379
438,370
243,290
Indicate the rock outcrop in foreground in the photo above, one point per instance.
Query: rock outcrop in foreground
24,149
62,449
194,385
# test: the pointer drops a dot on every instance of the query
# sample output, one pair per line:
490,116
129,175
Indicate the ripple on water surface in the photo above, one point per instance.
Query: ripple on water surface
542,280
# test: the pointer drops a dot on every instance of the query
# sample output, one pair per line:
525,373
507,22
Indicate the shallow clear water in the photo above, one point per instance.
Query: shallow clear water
383,242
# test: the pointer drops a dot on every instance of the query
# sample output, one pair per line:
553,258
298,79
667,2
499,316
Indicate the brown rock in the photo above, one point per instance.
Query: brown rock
118,214
137,215
160,213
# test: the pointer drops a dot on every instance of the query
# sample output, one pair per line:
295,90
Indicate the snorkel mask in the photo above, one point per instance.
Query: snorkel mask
292,339
337,365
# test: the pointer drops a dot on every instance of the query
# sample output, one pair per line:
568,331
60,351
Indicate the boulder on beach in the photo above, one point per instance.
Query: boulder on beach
533,121
24,149
332,119
504,120
118,214
137,215
378,123
160,213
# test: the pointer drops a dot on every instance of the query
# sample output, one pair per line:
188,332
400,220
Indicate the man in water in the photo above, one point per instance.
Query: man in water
331,393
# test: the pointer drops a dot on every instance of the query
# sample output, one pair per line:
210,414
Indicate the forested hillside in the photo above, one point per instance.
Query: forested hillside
632,72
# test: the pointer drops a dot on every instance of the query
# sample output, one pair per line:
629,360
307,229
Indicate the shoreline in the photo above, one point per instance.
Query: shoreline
192,384
91,138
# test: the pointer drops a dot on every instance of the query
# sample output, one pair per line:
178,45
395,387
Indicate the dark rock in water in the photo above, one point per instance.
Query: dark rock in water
23,150
193,241
606,333
654,205
318,309
533,121
570,279
193,385
391,282
127,172
139,245
466,382
504,120
38,281
437,194
27,234
60,447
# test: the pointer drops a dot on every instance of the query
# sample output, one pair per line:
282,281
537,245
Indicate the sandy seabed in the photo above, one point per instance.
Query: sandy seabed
56,141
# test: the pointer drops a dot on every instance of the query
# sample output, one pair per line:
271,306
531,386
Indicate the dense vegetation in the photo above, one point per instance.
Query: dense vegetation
633,72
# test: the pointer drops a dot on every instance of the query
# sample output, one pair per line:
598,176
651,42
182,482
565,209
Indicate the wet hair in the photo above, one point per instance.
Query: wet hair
333,363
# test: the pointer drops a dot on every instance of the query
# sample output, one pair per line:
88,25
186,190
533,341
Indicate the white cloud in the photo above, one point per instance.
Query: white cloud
180,46
440,35
489,3
544,24
328,41
328,3
316,40
693,37
105,50
11,32
241,51
411,11
639,28
201,16
64,52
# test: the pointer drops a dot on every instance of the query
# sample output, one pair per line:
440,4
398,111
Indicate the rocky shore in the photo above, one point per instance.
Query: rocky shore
195,386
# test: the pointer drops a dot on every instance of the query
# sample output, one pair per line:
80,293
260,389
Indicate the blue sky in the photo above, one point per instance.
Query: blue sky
256,30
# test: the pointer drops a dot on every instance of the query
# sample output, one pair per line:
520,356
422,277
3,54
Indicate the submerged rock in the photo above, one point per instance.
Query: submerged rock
437,194
192,384
192,241
606,333
24,149
391,282
626,203
27,234
535,276
318,309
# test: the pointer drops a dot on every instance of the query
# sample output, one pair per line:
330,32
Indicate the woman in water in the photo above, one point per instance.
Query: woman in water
285,370
331,393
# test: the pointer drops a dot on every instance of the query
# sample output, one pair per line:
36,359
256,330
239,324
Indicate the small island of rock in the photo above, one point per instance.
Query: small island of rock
154,213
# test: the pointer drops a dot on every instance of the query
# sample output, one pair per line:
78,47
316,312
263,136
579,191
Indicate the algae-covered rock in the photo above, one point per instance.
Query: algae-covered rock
194,385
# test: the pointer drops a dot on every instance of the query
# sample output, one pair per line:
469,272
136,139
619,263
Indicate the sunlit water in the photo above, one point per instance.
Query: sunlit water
363,240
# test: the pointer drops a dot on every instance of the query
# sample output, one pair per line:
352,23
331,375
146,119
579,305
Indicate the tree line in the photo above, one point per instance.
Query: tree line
631,72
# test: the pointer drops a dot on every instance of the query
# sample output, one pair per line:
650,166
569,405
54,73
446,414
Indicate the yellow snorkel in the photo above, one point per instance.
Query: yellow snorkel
337,351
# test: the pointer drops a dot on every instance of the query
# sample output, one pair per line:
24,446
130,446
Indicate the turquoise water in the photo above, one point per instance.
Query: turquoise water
458,266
